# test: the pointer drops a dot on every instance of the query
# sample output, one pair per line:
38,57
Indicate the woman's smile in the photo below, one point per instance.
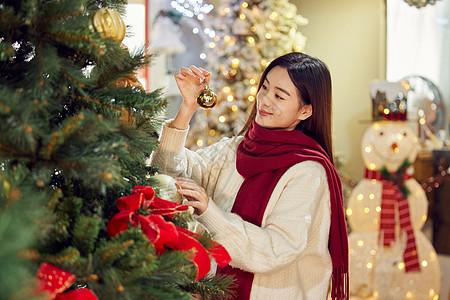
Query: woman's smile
263,113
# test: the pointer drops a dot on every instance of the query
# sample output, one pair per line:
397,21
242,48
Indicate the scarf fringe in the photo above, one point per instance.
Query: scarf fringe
340,284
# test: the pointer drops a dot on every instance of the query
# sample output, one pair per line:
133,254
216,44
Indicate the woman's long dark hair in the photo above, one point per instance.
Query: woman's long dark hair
312,79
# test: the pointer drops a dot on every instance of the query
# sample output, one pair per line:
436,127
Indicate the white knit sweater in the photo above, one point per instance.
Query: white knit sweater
289,252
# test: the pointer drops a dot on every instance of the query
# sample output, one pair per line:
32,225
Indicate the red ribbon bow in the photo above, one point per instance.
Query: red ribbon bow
160,232
55,281
391,197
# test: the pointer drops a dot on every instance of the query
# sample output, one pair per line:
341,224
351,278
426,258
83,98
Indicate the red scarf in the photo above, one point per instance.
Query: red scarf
262,158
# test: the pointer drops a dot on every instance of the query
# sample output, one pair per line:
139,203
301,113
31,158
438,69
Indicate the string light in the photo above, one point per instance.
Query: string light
436,180
191,8
273,16
235,63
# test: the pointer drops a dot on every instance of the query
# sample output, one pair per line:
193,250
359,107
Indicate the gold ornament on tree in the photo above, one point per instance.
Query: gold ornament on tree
207,98
130,80
109,24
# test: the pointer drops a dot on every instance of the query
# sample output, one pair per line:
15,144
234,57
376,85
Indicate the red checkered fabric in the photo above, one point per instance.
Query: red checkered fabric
390,198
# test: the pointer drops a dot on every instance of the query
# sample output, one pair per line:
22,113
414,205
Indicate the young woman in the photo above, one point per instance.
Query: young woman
272,197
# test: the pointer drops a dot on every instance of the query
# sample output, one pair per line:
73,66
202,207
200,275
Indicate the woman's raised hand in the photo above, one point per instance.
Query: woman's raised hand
190,82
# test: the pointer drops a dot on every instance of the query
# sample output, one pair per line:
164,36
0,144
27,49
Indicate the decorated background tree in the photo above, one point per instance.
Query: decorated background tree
248,35
76,129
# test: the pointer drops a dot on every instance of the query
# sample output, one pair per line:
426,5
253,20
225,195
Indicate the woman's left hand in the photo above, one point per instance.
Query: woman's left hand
196,195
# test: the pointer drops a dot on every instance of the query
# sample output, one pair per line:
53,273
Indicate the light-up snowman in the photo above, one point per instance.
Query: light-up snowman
388,148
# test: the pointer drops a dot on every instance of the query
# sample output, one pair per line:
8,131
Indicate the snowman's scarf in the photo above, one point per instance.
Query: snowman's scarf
262,158
390,197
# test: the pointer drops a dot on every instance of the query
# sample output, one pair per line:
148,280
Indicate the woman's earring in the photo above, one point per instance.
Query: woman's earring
207,98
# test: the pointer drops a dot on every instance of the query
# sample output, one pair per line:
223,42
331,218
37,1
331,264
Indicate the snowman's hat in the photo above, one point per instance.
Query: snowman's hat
389,100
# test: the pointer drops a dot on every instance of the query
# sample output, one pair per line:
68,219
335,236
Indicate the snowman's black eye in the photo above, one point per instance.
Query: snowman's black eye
404,133
381,132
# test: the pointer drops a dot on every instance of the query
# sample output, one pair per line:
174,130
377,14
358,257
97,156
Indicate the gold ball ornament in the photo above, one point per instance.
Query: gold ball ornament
207,98
130,80
109,24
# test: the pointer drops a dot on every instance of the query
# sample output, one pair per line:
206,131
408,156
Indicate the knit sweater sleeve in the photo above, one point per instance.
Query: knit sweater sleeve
174,159
296,223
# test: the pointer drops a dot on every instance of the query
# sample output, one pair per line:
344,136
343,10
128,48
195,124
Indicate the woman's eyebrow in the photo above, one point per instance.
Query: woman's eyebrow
278,88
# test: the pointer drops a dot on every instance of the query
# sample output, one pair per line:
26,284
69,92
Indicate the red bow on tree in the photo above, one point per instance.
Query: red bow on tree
55,281
143,209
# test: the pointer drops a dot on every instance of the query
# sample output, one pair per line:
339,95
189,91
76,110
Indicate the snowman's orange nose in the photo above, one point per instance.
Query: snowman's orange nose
394,147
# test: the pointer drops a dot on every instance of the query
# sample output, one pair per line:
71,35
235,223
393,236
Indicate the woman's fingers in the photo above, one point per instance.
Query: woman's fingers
195,195
201,73
189,185
183,181
192,74
190,193
179,76
206,74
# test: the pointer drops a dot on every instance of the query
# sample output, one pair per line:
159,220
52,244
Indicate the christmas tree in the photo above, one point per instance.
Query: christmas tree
76,130
248,35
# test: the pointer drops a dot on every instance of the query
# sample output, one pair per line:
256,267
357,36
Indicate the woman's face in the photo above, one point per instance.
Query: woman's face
278,103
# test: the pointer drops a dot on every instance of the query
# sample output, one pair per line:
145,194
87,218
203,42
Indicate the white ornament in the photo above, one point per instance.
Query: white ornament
167,188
